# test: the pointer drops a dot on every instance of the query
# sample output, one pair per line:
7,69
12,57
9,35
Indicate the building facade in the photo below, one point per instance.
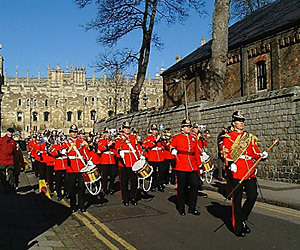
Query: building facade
263,55
68,97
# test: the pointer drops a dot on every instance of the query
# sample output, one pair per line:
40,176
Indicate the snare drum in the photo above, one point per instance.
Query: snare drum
207,165
91,175
142,169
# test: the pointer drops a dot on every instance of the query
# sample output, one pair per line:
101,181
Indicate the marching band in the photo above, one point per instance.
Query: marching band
71,164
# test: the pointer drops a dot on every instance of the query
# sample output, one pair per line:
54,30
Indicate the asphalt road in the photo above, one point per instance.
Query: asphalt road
29,220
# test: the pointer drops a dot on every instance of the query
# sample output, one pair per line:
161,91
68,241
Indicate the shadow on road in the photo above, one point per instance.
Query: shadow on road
25,216
222,212
222,189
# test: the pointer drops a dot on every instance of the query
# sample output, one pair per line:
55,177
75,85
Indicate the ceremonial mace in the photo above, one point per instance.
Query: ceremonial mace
275,143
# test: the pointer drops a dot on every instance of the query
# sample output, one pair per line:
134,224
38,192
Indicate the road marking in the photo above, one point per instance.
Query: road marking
104,228
95,231
92,228
261,205
110,233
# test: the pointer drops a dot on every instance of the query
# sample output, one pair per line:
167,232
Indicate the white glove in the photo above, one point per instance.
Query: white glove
142,157
233,168
90,163
264,154
122,154
174,151
201,171
63,151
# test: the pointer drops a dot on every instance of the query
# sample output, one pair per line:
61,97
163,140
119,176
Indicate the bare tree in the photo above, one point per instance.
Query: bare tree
117,18
219,47
242,8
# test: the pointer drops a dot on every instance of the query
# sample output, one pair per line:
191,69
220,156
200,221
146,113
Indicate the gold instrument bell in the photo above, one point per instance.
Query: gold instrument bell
167,134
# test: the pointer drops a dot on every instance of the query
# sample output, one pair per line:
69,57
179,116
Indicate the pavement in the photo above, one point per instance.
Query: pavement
277,193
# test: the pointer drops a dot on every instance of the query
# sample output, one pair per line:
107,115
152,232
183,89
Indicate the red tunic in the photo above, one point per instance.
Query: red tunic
155,149
7,150
185,144
61,161
107,152
246,160
76,161
131,155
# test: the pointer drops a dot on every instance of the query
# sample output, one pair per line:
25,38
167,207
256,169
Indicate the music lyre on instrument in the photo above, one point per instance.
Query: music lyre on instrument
275,143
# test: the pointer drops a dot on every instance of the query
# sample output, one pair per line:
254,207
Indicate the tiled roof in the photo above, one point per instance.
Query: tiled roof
269,19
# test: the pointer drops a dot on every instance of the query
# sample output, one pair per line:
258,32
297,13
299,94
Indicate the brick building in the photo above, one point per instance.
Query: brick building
263,55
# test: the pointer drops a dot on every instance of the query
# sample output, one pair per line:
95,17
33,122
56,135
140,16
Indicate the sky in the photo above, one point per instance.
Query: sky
35,33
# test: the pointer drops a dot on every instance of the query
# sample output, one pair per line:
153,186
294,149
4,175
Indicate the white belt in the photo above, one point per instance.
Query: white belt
108,153
245,157
61,158
156,148
127,151
73,157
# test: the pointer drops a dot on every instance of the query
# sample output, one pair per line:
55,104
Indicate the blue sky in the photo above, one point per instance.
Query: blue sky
35,33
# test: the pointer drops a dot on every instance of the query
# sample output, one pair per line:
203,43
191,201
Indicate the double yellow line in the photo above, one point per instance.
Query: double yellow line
94,220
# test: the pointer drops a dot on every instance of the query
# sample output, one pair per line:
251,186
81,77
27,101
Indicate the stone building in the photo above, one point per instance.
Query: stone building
263,55
68,97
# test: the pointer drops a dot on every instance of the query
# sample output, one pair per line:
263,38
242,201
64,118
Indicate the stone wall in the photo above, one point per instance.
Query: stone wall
269,115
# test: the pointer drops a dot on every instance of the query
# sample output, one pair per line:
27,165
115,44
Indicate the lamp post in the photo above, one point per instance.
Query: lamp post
1,83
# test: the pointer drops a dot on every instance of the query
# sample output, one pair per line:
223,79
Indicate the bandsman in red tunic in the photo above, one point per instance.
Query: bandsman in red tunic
77,153
31,149
128,149
155,154
106,148
183,147
240,150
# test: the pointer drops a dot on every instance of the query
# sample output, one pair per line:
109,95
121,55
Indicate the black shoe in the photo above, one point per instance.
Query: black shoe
247,230
59,198
181,212
82,210
240,234
111,192
161,189
126,203
73,210
133,202
153,189
194,212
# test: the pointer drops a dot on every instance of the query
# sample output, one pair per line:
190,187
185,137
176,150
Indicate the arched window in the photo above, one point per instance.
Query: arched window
121,101
28,102
93,100
46,103
19,116
35,103
56,103
46,116
109,101
157,102
34,116
19,102
79,115
85,100
93,115
69,116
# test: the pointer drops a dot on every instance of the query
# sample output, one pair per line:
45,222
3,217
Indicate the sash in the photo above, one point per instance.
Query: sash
240,145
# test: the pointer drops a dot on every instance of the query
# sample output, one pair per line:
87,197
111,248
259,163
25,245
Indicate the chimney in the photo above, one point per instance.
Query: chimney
203,41
178,58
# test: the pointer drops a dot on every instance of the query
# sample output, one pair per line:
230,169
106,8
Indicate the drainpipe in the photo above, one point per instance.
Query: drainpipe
242,71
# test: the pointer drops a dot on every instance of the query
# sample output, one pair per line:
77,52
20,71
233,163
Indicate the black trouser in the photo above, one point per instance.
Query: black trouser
127,175
187,188
241,213
50,177
159,173
42,168
60,182
35,167
170,165
73,180
8,184
108,170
